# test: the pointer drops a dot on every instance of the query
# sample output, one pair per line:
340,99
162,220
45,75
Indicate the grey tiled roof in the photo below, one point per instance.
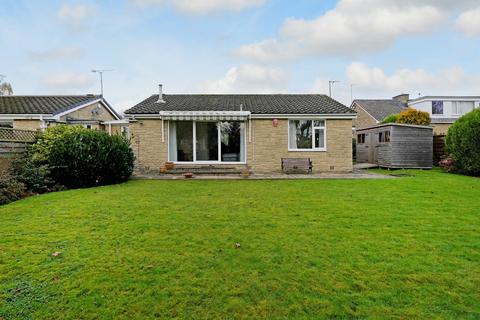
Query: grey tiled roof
255,103
380,109
41,104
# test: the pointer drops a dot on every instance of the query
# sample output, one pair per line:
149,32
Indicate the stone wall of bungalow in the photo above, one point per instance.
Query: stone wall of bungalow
265,148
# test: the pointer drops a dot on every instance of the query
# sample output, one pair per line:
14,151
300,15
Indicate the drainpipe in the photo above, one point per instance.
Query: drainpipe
42,123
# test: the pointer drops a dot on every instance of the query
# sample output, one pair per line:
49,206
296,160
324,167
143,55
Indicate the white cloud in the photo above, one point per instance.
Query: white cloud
469,22
58,53
250,79
76,16
448,81
353,27
68,81
201,7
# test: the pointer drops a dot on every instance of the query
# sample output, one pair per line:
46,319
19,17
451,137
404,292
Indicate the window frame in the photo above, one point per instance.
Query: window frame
314,128
194,138
443,108
363,138
384,136
457,107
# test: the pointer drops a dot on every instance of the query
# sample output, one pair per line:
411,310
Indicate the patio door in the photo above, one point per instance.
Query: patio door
206,139
207,142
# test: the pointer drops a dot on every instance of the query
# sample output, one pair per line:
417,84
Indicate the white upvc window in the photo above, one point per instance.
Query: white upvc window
307,135
462,107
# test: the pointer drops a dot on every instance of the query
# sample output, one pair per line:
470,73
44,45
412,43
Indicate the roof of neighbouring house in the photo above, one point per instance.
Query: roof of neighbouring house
380,109
255,103
45,104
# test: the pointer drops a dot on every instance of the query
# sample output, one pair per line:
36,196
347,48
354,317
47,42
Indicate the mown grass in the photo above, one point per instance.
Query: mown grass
402,248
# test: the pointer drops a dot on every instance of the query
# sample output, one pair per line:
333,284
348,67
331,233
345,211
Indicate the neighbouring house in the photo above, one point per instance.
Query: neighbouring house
40,112
395,145
253,131
372,111
443,110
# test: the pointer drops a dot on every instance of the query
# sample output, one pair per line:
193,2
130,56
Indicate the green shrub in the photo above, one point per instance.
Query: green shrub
10,190
413,116
463,143
85,158
34,175
391,118
41,149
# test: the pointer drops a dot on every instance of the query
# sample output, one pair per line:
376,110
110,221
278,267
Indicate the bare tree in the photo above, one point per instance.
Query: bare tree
5,87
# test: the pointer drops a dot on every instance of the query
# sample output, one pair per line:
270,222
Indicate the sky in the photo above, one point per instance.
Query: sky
375,48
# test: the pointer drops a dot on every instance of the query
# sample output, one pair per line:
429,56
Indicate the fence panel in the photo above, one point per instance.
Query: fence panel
17,135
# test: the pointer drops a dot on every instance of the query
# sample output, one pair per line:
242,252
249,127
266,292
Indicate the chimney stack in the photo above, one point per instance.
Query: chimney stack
403,98
160,94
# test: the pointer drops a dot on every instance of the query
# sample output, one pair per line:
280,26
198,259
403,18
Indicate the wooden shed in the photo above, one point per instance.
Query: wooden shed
395,145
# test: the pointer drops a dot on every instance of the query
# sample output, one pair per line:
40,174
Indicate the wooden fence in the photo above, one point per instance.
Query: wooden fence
12,143
17,135
439,151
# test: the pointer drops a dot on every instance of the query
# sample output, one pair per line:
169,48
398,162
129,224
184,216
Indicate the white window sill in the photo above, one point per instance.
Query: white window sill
208,162
307,150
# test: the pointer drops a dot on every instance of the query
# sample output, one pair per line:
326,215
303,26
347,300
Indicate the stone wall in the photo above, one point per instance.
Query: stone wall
364,120
150,151
268,145
440,129
27,124
86,114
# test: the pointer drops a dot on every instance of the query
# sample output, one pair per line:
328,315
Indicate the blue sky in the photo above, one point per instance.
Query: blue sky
383,47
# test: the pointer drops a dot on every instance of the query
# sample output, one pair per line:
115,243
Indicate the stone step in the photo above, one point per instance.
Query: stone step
205,170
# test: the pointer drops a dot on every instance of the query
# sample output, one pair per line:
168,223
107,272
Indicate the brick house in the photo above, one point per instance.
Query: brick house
40,112
240,131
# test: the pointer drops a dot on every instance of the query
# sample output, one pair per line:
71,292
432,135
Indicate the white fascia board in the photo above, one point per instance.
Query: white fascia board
58,116
440,98
136,116
25,116
304,116
262,116
123,121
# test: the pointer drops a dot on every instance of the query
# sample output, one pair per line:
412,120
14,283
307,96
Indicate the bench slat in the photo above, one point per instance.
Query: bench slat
297,165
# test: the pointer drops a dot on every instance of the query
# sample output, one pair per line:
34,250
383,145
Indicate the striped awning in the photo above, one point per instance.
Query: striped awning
205,115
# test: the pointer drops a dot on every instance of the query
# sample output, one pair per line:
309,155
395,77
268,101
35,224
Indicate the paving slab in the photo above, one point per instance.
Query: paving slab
357,174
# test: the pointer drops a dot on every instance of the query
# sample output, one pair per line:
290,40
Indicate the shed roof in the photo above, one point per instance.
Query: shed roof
395,125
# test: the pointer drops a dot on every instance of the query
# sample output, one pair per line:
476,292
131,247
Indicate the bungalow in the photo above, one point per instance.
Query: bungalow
251,130
40,112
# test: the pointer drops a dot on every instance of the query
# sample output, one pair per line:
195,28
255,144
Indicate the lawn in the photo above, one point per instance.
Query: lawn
397,248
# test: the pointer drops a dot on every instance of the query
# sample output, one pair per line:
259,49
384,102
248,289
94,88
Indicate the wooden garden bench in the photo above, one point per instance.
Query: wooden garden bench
297,165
